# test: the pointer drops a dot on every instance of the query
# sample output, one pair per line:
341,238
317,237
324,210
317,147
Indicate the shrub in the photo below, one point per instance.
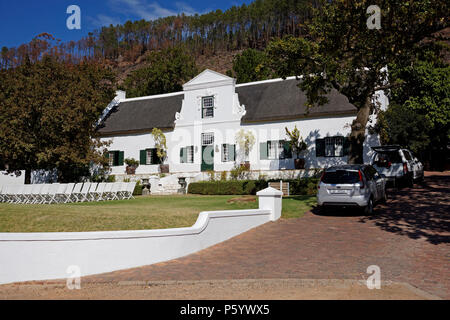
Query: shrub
138,189
244,187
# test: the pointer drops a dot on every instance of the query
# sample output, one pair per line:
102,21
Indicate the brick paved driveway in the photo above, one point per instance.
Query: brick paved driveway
408,238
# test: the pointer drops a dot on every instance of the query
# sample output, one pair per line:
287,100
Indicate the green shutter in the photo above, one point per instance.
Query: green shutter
346,146
183,155
143,157
121,158
320,147
232,152
116,158
263,152
287,151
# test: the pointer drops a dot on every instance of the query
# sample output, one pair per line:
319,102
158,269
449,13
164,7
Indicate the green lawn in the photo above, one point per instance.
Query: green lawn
155,212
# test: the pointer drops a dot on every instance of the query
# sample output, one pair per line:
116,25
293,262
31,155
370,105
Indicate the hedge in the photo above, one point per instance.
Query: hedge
304,186
233,187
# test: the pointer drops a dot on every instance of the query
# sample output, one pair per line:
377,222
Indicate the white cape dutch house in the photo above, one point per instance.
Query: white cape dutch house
201,123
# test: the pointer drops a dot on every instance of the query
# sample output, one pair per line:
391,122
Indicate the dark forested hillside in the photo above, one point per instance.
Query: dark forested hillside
240,27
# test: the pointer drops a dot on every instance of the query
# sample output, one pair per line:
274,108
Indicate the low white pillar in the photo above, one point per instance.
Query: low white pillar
270,199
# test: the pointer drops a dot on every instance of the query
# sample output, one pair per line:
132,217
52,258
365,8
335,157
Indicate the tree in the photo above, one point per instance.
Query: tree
249,66
160,143
296,141
341,52
245,140
48,111
166,72
418,117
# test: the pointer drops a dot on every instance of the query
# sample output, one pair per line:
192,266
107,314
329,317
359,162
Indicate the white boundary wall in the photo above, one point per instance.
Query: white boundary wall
44,256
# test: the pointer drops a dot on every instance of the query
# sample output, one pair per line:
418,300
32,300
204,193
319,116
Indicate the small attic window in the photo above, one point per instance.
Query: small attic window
207,107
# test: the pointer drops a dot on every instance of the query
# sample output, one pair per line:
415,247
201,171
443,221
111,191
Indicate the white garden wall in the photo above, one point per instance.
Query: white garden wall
42,256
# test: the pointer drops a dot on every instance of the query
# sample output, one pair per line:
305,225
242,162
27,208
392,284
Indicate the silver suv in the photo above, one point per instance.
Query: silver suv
359,186
397,165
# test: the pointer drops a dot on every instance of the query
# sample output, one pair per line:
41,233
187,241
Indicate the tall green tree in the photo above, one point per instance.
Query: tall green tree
48,111
344,52
249,66
418,117
166,72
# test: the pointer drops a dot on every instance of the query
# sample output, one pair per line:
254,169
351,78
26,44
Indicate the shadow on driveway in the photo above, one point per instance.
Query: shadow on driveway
420,212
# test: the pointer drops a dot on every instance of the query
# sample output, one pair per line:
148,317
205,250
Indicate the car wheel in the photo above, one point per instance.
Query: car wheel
368,210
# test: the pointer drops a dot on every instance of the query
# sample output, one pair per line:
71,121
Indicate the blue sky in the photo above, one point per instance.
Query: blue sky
21,21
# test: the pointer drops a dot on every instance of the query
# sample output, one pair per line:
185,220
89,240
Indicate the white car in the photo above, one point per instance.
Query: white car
397,165
351,186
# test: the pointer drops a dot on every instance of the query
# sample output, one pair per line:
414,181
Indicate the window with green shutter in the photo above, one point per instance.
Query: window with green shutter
228,152
332,147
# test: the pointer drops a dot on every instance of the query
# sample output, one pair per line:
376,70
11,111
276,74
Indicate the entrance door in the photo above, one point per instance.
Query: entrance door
207,152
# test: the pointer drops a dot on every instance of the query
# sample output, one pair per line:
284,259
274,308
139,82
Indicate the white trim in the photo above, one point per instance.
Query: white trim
153,97
267,81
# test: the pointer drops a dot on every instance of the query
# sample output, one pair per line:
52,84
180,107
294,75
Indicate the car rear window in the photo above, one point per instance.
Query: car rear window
341,176
388,156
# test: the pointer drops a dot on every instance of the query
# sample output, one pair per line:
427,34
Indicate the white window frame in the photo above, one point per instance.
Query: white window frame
149,159
190,154
226,152
275,150
207,138
207,106
111,159
334,146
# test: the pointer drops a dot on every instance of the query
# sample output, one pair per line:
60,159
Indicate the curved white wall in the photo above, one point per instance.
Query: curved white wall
43,256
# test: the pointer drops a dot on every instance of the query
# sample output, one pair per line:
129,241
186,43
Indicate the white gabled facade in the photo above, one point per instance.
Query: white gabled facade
211,107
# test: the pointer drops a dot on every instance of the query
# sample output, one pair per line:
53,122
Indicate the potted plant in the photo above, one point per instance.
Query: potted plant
245,140
132,164
161,149
297,145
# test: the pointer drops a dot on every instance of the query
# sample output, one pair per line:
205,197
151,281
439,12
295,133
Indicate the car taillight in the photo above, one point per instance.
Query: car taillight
361,179
405,168
318,186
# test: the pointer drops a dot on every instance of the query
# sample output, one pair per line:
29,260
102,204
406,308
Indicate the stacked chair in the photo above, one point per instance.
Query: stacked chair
66,192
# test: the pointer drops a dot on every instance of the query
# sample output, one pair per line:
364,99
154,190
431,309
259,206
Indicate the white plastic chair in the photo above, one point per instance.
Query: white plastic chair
130,189
60,191
51,195
83,195
43,193
107,191
35,193
26,193
67,195
2,190
115,190
98,194
91,192
76,192
17,194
